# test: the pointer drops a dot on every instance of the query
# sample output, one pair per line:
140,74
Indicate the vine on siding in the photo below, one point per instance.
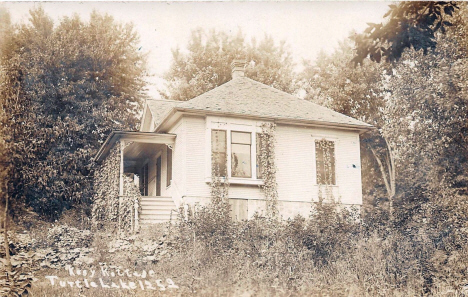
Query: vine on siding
219,186
127,206
106,195
106,189
268,168
325,182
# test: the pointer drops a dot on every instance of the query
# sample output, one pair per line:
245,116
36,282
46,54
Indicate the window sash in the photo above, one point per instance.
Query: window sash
241,154
241,160
241,137
219,152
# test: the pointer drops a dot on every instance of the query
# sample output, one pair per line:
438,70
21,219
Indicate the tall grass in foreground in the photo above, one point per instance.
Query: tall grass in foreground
330,253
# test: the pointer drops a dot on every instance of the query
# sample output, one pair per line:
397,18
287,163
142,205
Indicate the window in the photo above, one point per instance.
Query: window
169,167
219,152
325,162
241,154
235,153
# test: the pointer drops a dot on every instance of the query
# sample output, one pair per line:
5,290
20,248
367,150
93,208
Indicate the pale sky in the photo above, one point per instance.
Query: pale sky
307,27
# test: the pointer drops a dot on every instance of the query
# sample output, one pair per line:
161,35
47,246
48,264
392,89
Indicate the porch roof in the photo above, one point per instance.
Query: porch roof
134,136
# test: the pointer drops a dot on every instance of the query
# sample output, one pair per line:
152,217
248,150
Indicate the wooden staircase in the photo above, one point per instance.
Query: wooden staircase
157,209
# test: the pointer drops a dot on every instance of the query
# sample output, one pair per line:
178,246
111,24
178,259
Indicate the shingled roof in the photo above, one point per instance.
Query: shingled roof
160,108
245,97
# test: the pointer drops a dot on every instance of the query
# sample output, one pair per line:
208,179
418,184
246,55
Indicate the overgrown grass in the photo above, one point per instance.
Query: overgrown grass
330,253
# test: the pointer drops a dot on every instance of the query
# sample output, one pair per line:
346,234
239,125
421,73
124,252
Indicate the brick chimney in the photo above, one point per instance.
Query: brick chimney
237,67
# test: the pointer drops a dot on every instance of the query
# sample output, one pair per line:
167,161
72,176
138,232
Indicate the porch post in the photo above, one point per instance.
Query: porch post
136,214
121,186
122,146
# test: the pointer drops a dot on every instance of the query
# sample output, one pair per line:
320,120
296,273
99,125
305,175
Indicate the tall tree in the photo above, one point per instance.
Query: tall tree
409,24
5,29
65,87
355,91
426,119
206,65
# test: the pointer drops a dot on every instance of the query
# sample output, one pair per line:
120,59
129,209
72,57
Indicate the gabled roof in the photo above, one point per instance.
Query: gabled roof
245,97
160,108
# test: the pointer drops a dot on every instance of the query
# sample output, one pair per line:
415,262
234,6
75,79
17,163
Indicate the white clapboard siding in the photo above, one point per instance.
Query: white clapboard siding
295,162
195,157
296,167
179,152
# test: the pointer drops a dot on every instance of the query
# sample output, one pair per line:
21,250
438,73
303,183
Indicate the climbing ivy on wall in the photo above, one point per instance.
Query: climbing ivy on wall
219,186
325,151
106,189
268,168
108,207
131,198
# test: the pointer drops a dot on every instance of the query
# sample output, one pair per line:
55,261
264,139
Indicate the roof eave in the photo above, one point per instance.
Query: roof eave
166,119
148,137
360,128
106,146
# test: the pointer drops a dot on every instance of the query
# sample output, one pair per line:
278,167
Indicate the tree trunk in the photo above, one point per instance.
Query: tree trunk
6,242
388,176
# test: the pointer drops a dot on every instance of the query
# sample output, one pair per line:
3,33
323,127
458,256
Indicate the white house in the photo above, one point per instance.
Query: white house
172,154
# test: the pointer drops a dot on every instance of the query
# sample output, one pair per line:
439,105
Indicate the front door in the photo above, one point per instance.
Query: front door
144,180
158,176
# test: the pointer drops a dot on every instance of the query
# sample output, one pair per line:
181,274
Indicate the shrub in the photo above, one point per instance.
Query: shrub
210,225
70,237
79,217
329,230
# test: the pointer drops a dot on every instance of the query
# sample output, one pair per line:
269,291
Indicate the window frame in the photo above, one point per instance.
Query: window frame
234,125
336,143
226,144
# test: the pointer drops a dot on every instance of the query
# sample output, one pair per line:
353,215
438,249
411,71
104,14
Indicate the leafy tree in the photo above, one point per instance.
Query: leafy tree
332,82
426,118
5,29
425,123
66,87
206,65
412,24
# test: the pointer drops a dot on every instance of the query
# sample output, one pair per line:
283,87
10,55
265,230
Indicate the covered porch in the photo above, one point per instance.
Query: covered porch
145,168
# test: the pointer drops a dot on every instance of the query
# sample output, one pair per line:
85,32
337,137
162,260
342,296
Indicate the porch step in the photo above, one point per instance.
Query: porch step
156,209
160,216
157,206
156,198
158,212
150,222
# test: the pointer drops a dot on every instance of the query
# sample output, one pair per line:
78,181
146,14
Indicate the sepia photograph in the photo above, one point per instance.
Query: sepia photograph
233,148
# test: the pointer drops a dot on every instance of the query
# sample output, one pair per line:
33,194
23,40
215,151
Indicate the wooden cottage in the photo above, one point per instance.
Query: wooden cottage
171,158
